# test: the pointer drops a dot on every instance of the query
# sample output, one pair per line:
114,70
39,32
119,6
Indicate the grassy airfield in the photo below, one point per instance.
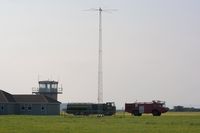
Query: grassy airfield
120,123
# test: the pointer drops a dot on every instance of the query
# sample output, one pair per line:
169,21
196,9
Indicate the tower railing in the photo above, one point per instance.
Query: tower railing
45,90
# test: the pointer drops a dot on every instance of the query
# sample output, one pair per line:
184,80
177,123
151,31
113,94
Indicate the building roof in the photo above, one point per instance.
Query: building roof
48,82
6,97
51,100
9,98
34,99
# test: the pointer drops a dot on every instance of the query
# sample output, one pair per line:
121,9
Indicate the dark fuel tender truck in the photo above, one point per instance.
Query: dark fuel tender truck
91,108
154,107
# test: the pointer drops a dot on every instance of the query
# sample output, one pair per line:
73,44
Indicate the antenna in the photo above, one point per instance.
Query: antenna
58,78
100,65
38,77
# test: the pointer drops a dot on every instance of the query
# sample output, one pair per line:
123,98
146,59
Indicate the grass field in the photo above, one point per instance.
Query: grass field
167,123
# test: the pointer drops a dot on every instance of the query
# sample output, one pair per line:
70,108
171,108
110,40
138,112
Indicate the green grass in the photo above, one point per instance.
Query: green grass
167,123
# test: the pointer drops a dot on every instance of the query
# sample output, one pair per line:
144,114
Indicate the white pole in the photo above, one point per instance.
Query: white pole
100,71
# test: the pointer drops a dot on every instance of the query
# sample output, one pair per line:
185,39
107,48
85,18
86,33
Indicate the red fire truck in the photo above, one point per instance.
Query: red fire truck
154,107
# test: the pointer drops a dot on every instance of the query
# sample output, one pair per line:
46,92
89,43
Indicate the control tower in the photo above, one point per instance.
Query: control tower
48,88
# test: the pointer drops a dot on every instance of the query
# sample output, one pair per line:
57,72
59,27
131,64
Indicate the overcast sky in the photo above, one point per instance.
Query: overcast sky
151,49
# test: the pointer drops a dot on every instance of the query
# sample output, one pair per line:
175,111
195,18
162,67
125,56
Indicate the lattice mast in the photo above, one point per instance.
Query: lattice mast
100,62
100,65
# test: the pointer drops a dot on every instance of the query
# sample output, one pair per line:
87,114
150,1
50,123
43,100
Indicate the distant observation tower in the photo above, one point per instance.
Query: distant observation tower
48,88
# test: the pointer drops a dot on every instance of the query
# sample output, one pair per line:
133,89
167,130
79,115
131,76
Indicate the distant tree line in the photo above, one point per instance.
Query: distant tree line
184,109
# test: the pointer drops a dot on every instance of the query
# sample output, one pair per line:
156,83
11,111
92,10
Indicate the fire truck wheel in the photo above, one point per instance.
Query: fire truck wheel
136,113
156,113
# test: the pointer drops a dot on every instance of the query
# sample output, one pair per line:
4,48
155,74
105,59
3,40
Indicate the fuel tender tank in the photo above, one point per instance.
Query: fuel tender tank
91,108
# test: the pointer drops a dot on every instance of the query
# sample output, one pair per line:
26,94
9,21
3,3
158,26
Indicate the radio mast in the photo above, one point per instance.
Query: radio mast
100,65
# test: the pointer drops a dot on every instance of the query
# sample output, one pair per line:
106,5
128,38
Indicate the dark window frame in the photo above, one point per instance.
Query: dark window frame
2,108
43,107
29,107
23,107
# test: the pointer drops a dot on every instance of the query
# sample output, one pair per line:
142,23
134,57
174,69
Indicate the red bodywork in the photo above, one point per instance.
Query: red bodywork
154,107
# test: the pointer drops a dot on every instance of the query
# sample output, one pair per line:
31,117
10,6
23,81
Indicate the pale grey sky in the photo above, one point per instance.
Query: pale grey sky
151,49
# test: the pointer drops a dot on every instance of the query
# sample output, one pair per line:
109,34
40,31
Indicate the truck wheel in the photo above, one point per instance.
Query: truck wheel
156,113
136,113
75,113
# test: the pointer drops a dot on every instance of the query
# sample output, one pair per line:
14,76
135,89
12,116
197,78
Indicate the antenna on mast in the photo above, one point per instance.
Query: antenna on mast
38,77
100,65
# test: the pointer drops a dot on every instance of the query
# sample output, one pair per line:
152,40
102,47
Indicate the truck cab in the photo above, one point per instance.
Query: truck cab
111,108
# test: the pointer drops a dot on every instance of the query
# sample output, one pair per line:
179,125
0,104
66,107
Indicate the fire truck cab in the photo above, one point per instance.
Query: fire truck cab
138,108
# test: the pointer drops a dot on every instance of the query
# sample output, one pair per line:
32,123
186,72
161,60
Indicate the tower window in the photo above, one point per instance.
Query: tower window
48,86
54,86
42,86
